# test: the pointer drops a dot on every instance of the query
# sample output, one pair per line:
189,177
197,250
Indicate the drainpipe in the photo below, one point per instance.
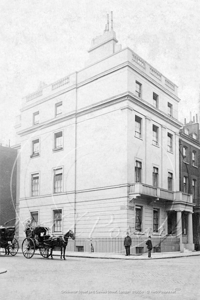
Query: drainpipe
75,161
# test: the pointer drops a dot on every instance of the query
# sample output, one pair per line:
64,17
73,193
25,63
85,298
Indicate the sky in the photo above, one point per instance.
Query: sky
45,40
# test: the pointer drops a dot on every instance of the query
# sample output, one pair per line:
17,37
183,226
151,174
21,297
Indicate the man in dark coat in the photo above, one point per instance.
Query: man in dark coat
149,246
127,244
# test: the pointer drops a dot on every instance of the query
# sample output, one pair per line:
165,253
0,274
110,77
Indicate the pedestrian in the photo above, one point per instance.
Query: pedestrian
149,246
127,244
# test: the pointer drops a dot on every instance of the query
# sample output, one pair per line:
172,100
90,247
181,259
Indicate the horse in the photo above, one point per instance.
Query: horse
59,242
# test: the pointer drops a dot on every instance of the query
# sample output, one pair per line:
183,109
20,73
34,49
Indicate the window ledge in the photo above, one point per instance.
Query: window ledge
139,138
57,149
34,155
195,166
35,196
169,151
59,193
156,145
139,233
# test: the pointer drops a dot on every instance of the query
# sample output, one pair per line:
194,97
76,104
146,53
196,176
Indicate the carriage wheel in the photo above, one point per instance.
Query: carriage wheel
14,247
28,247
44,252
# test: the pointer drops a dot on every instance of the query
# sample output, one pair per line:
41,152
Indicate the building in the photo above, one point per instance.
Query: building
100,153
8,169
189,175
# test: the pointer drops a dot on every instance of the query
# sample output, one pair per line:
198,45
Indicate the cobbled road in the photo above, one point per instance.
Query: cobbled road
83,278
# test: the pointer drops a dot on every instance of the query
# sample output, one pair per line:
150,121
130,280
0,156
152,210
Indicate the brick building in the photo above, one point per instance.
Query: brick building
190,175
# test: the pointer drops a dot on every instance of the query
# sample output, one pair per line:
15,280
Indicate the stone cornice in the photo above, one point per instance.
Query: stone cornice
150,79
100,105
98,76
149,108
189,140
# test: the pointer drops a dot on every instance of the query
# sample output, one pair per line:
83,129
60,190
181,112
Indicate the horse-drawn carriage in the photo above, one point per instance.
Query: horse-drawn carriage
38,238
8,243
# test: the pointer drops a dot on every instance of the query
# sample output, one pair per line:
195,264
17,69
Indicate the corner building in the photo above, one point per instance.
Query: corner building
100,153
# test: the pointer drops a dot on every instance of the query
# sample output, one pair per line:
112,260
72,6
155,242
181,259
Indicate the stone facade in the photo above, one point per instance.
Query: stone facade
99,152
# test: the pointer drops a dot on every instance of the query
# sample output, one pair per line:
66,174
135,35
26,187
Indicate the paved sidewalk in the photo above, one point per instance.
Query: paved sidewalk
102,255
157,255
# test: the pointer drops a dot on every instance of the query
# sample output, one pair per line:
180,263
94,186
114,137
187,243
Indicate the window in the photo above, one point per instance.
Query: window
184,222
169,142
170,109
185,184
194,187
35,184
35,147
138,171
58,108
58,178
138,218
58,140
194,135
186,130
34,219
138,127
185,151
194,158
155,177
36,118
155,219
138,89
170,181
155,100
57,220
155,135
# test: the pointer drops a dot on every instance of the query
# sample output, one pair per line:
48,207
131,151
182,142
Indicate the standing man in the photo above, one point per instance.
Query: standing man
149,246
127,244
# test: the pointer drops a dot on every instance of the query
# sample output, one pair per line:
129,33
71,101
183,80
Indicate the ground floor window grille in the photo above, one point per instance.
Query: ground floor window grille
138,218
155,219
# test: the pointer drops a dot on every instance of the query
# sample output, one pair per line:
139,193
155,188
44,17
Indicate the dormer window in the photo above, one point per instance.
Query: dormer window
186,130
194,135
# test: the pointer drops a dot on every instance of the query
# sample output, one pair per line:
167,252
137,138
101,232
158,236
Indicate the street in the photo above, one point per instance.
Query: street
83,278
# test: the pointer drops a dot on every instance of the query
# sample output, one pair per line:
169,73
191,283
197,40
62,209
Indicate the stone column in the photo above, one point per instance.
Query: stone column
190,229
179,228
